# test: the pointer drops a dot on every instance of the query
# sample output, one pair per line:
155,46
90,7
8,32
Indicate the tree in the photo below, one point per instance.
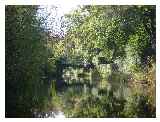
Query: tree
111,29
26,54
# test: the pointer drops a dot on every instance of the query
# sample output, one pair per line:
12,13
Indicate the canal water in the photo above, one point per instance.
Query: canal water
49,114
82,83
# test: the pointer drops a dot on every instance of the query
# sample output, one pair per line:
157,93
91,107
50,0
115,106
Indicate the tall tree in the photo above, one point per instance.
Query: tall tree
26,55
110,30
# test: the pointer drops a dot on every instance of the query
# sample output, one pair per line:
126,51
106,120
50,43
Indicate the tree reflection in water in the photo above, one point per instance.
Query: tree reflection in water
88,94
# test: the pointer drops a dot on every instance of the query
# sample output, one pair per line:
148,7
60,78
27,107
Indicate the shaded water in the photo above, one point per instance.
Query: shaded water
83,83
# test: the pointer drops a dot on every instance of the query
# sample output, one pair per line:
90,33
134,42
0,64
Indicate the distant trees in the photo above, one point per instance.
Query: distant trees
112,29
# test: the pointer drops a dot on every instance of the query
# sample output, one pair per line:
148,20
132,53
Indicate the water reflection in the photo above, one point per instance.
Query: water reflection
80,83
49,114
91,82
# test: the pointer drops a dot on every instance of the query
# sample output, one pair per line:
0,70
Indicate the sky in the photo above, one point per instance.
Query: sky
54,16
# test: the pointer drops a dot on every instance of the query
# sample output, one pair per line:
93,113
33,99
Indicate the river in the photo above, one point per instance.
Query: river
49,114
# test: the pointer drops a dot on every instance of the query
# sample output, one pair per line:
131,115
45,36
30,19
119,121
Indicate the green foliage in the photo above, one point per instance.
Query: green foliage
117,41
138,106
111,29
119,34
26,57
